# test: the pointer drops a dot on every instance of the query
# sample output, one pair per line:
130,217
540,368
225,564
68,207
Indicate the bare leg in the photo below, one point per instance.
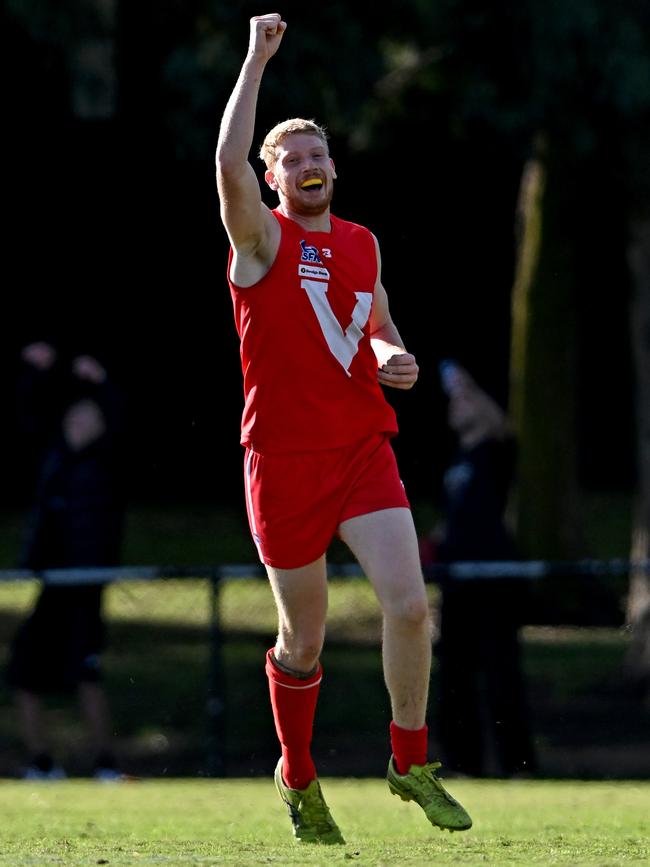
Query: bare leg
292,667
93,705
301,600
30,712
385,544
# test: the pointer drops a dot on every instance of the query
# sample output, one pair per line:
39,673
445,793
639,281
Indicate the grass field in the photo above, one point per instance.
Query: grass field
242,822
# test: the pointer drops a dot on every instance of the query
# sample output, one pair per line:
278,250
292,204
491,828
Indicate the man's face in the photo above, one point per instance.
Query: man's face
83,423
303,175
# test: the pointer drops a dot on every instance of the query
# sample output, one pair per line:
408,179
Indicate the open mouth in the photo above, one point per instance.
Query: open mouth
312,184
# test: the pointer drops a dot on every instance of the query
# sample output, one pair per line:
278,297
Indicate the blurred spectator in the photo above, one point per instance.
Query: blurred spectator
483,719
71,415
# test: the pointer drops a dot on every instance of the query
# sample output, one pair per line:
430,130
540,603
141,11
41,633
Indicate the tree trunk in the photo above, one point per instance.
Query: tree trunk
543,365
638,605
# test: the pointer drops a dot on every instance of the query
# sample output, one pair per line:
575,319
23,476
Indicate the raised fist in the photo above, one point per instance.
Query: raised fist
266,34
40,355
88,368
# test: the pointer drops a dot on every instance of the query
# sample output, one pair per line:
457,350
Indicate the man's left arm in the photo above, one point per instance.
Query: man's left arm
396,367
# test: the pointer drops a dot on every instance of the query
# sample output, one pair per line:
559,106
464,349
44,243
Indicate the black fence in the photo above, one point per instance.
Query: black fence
213,579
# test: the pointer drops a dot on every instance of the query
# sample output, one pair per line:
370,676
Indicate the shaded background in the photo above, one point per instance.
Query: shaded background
113,246
114,240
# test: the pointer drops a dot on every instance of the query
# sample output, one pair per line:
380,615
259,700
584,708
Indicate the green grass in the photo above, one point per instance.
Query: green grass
242,822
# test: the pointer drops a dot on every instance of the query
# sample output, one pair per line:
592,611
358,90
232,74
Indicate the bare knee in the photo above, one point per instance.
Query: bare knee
410,610
299,652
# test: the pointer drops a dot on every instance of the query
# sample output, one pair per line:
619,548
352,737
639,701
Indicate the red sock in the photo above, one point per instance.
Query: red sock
409,747
293,700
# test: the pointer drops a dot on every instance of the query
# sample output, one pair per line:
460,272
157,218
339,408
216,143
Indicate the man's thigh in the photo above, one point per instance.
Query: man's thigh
386,546
301,596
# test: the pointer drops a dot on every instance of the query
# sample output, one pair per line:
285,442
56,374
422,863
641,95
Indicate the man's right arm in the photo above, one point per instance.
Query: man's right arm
247,220
37,394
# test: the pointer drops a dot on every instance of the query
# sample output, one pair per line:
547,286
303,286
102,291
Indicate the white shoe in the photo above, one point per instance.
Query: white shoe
107,775
34,773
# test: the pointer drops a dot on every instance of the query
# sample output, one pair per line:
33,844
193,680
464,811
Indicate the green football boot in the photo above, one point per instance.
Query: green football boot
309,814
423,786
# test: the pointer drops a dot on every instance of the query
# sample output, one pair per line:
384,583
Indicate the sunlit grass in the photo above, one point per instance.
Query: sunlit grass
242,822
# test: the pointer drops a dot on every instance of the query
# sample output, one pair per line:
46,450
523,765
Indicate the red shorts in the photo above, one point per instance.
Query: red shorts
295,502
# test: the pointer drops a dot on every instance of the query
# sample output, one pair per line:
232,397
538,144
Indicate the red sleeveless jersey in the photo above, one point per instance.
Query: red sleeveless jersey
310,374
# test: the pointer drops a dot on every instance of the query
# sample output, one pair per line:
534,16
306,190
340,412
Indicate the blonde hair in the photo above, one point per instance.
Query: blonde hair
275,137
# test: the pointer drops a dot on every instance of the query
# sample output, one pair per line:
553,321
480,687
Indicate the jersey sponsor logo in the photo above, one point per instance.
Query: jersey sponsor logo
343,345
313,271
309,253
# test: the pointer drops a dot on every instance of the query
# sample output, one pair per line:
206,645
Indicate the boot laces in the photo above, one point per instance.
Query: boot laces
427,775
317,810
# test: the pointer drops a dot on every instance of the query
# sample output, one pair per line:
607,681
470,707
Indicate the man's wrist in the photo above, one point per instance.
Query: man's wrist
255,61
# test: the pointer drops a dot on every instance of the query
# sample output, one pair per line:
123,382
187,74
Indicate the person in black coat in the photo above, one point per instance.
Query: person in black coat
483,719
72,419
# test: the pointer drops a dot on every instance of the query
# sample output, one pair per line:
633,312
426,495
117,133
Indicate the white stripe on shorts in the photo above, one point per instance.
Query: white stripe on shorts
249,500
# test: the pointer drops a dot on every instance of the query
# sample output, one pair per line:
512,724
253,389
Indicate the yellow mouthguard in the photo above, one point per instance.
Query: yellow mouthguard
312,182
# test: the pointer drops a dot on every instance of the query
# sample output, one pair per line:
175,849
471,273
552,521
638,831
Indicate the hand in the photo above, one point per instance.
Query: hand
89,369
266,34
40,355
400,371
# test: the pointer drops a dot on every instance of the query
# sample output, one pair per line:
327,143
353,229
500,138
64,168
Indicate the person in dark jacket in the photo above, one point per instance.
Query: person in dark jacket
72,418
483,718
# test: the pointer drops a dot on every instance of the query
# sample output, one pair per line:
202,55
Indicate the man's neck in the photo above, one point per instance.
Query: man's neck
310,223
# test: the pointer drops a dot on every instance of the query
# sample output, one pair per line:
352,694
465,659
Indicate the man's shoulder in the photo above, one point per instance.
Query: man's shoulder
354,234
348,225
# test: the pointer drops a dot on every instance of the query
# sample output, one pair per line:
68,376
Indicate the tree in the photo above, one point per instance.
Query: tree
543,360
637,165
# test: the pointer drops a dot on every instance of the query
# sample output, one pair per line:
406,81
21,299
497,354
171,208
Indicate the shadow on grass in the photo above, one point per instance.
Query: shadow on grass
586,722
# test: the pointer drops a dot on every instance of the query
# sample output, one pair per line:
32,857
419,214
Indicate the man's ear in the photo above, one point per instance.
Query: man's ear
334,175
269,177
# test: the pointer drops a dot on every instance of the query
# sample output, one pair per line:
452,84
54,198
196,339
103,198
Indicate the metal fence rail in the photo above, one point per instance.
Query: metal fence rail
471,569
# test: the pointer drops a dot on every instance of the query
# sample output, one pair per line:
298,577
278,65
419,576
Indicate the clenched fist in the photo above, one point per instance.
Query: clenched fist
266,34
